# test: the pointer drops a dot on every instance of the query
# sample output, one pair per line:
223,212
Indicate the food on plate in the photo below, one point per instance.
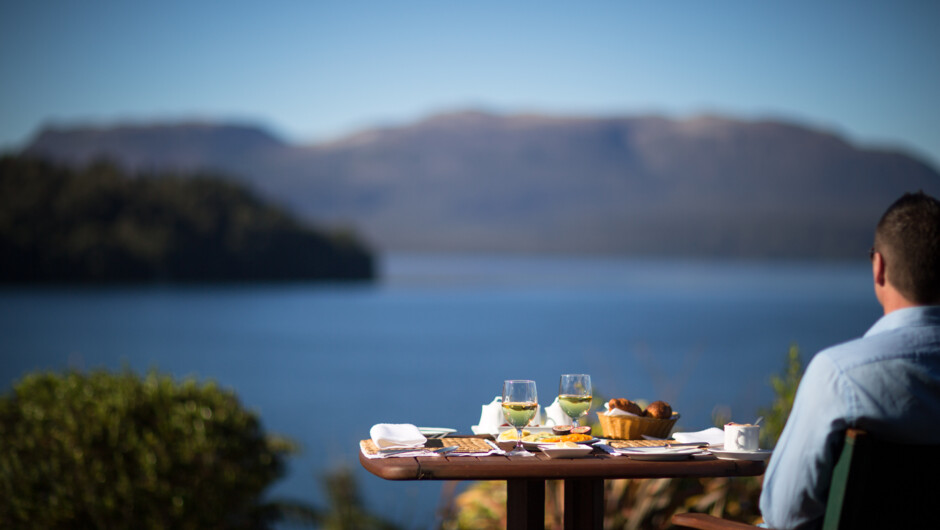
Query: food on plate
583,429
577,438
625,405
561,429
510,434
567,438
536,438
659,410
567,445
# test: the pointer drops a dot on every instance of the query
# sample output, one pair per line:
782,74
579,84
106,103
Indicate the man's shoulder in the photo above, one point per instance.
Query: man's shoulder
893,345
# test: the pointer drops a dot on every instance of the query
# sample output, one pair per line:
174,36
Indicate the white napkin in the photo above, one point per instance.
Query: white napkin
491,416
713,436
539,418
393,435
555,416
615,411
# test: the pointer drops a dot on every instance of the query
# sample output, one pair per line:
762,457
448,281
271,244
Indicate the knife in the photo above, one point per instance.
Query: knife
687,444
440,450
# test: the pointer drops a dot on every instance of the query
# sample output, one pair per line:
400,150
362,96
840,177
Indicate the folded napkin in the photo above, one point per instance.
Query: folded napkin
539,418
491,416
712,436
393,435
555,416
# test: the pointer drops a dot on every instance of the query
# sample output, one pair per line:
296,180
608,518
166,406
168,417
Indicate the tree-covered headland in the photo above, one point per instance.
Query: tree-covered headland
98,224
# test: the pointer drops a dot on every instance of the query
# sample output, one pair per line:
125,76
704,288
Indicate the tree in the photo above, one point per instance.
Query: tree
103,450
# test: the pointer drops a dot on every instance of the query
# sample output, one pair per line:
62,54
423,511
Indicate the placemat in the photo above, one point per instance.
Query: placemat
623,444
464,445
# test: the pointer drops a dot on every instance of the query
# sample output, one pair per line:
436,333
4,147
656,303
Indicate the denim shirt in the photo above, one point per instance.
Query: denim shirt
887,382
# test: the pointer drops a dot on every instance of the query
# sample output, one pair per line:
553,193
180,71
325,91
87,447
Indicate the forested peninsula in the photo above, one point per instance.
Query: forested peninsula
98,224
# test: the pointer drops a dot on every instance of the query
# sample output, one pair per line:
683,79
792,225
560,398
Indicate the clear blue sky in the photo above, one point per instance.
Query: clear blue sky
312,71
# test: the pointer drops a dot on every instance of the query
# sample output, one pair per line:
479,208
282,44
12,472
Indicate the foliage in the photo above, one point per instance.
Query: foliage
650,503
97,224
346,509
784,386
102,450
481,507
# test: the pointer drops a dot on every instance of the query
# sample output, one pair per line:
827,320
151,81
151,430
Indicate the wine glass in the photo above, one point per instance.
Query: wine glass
574,395
520,403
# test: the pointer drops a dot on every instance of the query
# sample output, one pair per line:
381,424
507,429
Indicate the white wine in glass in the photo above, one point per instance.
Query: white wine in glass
575,394
520,403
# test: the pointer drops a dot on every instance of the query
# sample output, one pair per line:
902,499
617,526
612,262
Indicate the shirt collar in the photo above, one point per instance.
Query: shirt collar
909,316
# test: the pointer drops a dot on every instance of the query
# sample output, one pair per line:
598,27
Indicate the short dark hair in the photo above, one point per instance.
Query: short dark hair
908,237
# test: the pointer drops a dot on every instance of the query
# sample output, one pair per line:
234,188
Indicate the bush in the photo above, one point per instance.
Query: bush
102,450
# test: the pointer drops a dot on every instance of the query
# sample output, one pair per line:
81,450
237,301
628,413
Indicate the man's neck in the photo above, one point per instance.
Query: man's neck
892,301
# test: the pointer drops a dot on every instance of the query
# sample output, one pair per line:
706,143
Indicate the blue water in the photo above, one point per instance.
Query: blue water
434,339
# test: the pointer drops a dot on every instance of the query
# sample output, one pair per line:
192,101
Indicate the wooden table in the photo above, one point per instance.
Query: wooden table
525,479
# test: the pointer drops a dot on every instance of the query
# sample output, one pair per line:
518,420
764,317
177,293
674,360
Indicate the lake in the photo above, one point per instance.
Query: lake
434,338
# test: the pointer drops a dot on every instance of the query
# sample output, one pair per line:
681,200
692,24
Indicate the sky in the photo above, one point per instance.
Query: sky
314,71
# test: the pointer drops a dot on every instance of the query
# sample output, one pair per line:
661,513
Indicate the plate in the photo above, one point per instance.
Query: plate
566,452
659,453
532,430
760,454
436,432
539,445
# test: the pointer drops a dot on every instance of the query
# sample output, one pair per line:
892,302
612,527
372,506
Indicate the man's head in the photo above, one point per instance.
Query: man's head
907,246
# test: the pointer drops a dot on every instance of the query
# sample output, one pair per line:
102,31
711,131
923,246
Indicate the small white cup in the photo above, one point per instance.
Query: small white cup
741,437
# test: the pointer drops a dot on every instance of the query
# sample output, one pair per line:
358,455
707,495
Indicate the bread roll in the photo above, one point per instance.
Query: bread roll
659,410
626,405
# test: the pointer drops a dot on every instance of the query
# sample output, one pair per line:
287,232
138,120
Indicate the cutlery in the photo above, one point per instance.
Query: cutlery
439,450
401,450
687,444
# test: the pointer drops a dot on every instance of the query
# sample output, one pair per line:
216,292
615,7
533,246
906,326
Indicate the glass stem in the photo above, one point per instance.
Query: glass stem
519,439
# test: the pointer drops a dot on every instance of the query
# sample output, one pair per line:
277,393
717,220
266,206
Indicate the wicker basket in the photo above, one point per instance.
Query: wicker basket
634,427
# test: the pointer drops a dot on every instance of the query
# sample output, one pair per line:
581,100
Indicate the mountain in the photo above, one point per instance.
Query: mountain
471,181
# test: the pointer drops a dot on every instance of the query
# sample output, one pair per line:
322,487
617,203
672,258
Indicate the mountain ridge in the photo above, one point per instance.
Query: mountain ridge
706,185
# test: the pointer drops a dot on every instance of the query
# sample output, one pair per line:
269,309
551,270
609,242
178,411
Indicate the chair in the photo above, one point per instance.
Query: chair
875,484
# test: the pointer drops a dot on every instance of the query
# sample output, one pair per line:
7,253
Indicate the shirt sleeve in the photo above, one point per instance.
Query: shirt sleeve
797,480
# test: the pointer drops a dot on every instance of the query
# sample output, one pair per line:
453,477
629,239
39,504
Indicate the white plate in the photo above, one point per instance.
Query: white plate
435,432
566,452
532,430
760,454
659,453
538,445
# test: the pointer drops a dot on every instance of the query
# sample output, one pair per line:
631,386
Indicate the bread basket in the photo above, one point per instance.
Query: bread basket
634,427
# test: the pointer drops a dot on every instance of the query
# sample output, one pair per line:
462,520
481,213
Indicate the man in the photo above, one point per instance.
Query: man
887,382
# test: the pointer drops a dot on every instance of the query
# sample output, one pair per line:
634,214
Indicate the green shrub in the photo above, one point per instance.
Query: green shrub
103,450
785,385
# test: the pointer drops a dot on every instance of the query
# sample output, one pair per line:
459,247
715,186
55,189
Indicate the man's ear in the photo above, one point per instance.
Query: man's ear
878,269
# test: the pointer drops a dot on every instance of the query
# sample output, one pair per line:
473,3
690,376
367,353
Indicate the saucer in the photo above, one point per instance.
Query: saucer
760,454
